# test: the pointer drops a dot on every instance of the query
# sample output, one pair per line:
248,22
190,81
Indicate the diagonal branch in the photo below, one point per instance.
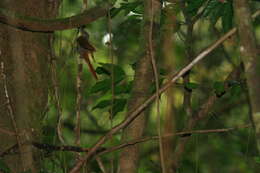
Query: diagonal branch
139,109
49,25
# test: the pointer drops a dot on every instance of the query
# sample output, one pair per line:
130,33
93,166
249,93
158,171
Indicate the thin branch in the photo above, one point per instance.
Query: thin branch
139,109
8,101
10,108
190,54
57,97
102,151
49,25
78,101
8,132
180,134
202,113
156,77
101,165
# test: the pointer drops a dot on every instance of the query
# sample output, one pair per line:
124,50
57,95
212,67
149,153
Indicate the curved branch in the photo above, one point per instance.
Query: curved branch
49,25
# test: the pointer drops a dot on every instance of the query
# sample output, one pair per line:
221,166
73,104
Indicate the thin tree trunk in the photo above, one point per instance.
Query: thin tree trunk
250,58
141,91
25,58
169,62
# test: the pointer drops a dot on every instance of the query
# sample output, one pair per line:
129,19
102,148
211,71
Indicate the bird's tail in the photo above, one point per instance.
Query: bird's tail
85,56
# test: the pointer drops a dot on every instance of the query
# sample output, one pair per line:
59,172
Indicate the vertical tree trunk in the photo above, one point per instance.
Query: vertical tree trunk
26,58
169,62
141,91
250,58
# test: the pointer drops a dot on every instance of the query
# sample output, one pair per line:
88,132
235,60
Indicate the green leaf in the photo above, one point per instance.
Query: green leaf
219,88
257,159
214,11
191,85
103,85
193,6
233,82
130,86
130,6
114,11
102,70
120,89
106,84
102,104
119,105
227,17
162,71
126,7
3,167
107,68
236,90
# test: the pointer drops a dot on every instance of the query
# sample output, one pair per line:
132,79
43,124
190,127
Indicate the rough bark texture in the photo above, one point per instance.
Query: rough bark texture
141,91
250,58
26,58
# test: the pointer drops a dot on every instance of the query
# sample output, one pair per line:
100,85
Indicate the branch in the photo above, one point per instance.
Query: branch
29,23
180,134
140,108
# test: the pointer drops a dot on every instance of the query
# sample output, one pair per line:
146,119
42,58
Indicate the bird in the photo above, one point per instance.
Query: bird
86,50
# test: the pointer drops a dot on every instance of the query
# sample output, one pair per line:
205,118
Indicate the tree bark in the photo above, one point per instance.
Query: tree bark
168,42
129,157
250,58
25,57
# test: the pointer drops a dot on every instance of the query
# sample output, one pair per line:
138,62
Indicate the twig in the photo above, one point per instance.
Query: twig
8,132
180,134
202,113
101,165
110,44
190,54
10,150
57,97
8,103
78,101
102,151
156,77
140,108
9,107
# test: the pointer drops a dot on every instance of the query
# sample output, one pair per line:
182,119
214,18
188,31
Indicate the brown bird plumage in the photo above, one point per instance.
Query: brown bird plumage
86,49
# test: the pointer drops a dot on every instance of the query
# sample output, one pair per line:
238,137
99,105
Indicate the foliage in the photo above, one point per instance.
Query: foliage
104,102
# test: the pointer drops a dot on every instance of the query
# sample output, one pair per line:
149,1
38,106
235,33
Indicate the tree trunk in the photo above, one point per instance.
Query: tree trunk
25,59
141,91
167,41
250,58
